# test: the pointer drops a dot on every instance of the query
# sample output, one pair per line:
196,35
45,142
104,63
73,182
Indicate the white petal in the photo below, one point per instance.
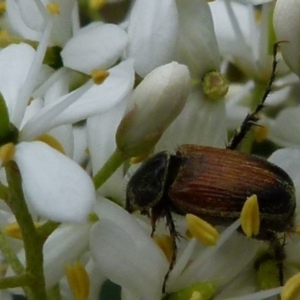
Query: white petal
100,98
64,245
20,18
54,186
152,30
204,121
101,130
126,254
285,130
287,27
15,62
288,160
197,45
62,25
96,46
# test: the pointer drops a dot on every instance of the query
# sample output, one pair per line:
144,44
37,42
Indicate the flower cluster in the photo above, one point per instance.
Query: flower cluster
85,99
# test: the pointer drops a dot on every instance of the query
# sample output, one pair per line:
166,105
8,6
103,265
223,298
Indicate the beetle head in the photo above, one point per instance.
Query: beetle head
146,186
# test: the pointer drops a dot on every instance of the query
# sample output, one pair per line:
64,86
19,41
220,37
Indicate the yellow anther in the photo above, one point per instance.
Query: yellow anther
7,153
13,230
196,296
164,242
257,15
79,281
2,7
291,289
261,133
298,229
4,34
250,220
53,8
97,4
201,230
99,75
51,141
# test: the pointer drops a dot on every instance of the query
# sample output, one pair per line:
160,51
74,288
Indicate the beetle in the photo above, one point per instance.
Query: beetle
214,184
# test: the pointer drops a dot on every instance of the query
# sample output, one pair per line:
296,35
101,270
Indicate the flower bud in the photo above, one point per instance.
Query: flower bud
153,106
287,27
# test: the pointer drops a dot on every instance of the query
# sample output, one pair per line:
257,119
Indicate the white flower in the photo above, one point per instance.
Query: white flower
202,118
37,160
126,254
28,19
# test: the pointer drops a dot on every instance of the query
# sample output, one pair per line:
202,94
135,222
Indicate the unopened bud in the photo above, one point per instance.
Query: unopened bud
153,106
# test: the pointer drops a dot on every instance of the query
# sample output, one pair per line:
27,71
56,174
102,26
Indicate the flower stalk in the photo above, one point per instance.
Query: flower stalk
33,242
111,165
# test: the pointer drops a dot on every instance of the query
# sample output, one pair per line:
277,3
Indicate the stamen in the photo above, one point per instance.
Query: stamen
13,230
53,8
139,159
201,230
7,153
79,281
51,141
2,7
291,289
250,221
164,242
260,133
99,75
258,295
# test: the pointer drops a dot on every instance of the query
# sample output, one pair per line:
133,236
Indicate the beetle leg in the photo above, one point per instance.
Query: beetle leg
252,117
279,255
174,235
153,225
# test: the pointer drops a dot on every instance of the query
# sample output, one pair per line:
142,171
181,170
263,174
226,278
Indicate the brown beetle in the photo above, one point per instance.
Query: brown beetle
214,184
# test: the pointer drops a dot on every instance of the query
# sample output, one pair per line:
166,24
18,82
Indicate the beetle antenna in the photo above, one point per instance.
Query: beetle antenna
251,118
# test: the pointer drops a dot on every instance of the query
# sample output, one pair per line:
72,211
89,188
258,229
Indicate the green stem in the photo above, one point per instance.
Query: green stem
112,164
54,293
46,229
33,242
14,281
4,192
10,255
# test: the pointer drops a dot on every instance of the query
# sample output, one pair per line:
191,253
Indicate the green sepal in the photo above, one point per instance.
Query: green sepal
204,289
